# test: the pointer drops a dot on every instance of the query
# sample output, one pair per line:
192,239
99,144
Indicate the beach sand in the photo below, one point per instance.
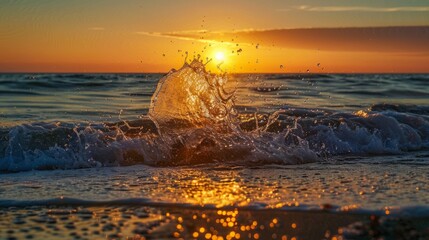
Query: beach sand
313,201
140,222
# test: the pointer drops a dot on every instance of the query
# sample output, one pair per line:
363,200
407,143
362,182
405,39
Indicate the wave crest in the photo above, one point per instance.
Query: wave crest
192,120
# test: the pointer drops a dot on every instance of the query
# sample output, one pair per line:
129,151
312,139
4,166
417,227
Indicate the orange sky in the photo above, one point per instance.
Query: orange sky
153,36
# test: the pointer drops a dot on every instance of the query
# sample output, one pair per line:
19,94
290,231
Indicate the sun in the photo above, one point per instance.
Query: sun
220,56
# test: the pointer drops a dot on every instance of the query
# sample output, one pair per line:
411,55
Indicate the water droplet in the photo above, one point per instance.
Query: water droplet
281,66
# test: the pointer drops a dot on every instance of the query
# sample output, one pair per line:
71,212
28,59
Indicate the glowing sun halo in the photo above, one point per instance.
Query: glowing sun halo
220,56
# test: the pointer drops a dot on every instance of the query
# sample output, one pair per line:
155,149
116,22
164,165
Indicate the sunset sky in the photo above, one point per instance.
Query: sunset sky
248,35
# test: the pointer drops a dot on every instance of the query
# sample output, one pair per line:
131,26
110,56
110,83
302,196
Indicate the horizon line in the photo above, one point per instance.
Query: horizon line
285,73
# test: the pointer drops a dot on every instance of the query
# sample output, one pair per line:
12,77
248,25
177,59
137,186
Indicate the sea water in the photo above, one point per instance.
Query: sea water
305,156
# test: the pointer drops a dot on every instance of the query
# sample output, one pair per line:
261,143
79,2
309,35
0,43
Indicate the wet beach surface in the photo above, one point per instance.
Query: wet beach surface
344,199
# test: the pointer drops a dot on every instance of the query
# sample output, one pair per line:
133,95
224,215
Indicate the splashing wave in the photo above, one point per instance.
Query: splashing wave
192,120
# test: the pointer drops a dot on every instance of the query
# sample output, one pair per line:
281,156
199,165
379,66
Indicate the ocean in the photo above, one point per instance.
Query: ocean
198,156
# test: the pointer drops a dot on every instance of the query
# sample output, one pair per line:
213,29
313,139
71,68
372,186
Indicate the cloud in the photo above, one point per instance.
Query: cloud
96,28
356,39
357,9
190,35
165,35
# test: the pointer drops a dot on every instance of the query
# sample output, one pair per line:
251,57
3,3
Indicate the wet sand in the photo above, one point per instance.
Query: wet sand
142,222
342,200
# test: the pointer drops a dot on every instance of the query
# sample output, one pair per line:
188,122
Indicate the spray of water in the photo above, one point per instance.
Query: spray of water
191,98
195,116
192,120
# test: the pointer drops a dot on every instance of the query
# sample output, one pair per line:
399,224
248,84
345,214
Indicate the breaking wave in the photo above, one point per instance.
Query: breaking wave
193,120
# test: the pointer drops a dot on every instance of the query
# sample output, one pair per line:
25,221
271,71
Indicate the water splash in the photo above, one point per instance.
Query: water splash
191,97
197,122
